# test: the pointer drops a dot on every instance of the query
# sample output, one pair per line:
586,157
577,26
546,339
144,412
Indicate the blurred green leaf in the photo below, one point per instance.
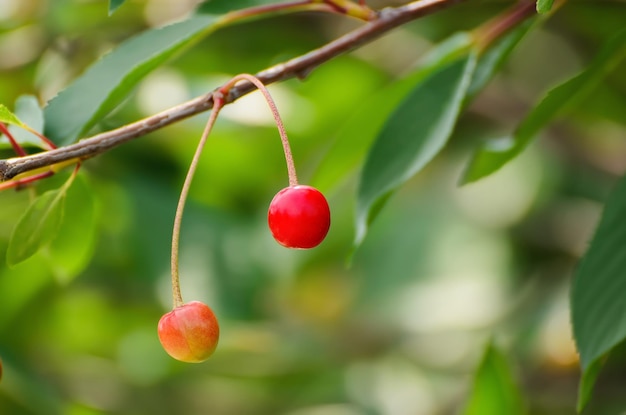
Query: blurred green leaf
19,286
606,102
452,48
597,301
360,130
37,227
490,158
544,6
357,134
23,385
225,6
6,116
106,83
114,5
71,250
494,391
493,58
416,131
27,109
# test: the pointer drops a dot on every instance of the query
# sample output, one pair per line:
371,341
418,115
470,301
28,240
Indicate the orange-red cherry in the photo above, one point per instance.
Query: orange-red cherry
189,333
299,217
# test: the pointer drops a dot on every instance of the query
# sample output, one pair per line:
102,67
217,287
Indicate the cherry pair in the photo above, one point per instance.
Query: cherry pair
298,217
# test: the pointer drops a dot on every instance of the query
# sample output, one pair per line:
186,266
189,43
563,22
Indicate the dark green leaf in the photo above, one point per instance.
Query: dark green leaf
597,301
587,381
37,227
106,83
491,158
494,391
360,130
416,131
493,58
225,6
544,6
114,5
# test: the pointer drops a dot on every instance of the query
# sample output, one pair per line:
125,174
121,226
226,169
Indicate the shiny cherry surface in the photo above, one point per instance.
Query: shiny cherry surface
299,217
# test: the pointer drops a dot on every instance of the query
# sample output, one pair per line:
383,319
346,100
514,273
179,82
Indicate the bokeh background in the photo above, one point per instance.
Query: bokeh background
396,327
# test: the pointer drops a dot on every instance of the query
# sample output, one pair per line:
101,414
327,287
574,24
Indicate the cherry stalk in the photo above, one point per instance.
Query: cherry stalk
189,332
291,168
178,217
298,216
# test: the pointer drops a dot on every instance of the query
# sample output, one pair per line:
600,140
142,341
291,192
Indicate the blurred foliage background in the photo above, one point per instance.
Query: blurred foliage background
444,270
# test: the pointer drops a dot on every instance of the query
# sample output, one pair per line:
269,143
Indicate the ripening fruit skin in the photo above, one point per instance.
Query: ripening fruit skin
189,333
299,217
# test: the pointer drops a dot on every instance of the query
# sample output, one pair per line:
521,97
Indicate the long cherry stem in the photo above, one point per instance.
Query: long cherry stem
218,103
291,168
176,293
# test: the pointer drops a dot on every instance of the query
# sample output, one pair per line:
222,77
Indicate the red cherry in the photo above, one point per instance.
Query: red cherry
189,333
299,217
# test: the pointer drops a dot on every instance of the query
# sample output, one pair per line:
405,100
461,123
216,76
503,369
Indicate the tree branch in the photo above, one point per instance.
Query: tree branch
299,67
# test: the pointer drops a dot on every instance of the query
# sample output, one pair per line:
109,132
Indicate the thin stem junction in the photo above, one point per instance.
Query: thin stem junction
291,168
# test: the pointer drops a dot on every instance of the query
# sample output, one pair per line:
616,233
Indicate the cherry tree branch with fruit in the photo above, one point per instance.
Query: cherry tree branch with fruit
411,123
384,21
298,216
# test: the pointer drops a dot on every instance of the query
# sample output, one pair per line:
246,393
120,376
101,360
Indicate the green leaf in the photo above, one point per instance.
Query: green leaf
544,6
416,131
106,83
27,109
587,381
490,158
597,300
71,250
225,6
28,114
493,58
15,298
494,390
114,5
360,130
37,227
7,117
